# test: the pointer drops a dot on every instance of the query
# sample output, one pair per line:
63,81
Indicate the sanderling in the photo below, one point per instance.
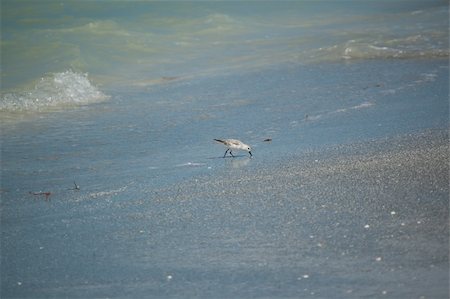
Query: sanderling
233,144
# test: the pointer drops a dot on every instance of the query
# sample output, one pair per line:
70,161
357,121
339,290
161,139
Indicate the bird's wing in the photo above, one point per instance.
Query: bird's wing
234,142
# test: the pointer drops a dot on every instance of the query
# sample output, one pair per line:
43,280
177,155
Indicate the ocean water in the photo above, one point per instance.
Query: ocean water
111,183
51,49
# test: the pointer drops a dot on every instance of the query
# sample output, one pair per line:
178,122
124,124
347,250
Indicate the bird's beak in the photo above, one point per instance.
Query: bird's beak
250,154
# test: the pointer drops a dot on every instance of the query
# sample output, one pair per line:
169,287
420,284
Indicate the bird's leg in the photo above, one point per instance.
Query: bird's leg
226,152
231,154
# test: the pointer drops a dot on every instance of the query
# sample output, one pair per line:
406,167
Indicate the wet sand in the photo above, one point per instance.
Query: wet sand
350,221
368,219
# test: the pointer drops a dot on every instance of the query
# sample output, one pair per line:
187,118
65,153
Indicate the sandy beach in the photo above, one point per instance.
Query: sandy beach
356,220
370,218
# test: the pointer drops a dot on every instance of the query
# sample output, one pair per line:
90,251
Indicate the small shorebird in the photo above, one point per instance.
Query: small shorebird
234,144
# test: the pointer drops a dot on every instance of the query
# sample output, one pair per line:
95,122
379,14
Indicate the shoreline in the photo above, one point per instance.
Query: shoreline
419,146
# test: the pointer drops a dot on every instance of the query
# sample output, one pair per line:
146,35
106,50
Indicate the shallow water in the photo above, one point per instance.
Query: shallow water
348,198
170,129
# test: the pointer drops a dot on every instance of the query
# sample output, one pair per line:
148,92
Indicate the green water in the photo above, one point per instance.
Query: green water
141,43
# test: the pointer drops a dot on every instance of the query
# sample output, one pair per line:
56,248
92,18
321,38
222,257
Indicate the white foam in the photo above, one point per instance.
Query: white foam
191,164
67,88
362,105
107,193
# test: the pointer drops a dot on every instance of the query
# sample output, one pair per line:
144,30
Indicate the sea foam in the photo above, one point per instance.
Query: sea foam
57,90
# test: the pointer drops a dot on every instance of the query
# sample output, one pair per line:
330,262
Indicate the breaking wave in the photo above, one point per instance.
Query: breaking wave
57,90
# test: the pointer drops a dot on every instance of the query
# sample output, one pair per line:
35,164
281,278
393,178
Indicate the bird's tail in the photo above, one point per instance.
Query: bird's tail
218,140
